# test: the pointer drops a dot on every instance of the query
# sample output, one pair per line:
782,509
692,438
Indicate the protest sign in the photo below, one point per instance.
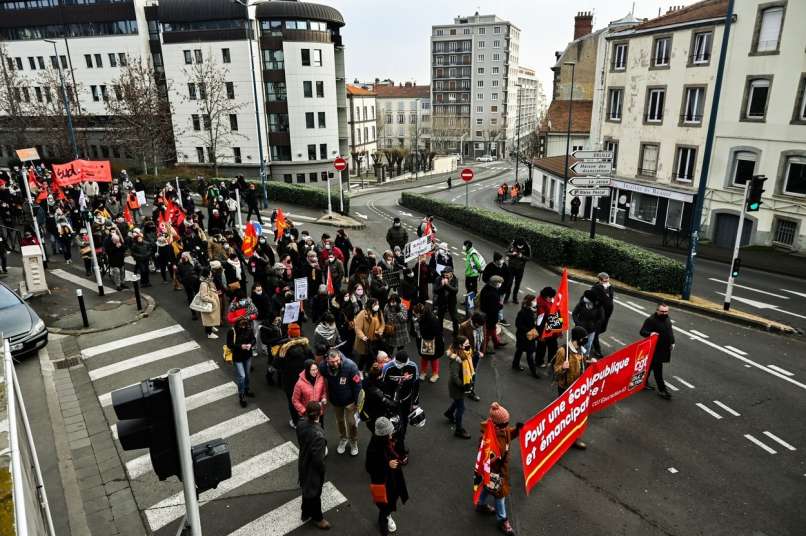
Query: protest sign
81,171
417,247
291,312
301,288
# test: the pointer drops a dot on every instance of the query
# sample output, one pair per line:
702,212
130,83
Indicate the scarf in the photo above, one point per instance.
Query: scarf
326,332
237,266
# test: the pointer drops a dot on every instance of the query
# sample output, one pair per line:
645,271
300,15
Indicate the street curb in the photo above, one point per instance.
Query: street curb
147,310
335,222
415,185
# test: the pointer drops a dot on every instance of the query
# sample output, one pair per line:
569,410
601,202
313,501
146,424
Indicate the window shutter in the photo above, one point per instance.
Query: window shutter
770,29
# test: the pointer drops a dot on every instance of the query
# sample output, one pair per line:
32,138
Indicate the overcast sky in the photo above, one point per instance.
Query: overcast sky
389,38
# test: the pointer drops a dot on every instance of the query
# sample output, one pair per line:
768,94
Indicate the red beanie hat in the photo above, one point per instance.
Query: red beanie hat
293,330
498,413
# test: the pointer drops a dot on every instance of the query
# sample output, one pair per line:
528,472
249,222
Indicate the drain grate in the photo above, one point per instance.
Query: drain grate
67,363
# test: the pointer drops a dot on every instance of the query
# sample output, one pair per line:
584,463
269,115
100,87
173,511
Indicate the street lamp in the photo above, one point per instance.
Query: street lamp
568,135
257,112
70,130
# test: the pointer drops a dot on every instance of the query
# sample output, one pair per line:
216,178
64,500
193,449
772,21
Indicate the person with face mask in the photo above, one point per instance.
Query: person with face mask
397,235
378,288
500,268
490,305
336,268
326,332
343,387
396,334
526,335
473,330
430,340
459,352
446,289
605,296
589,314
291,358
401,383
442,259
369,326
546,345
311,465
568,367
142,250
659,324
240,340
518,256
474,266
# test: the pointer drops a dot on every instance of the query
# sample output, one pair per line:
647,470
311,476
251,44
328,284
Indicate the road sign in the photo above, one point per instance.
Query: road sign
599,155
417,247
589,182
597,167
340,164
467,174
589,192
26,155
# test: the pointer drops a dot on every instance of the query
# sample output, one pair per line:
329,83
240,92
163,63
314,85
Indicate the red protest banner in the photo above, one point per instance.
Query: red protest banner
81,171
546,436
488,452
558,317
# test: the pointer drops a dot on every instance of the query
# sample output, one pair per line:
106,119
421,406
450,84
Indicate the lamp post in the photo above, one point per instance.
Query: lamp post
70,130
568,137
257,108
518,132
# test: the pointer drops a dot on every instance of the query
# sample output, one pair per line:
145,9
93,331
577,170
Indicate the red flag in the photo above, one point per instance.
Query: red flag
57,191
127,215
331,290
32,180
488,453
281,223
558,317
249,240
43,194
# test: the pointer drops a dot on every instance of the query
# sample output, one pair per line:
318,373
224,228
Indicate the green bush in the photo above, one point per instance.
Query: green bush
559,246
307,196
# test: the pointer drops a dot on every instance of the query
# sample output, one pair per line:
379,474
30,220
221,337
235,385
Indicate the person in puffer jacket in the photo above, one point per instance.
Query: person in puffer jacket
310,386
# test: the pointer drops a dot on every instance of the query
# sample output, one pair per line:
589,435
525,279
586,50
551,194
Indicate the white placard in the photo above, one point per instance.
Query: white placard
301,288
291,313
440,268
141,198
415,248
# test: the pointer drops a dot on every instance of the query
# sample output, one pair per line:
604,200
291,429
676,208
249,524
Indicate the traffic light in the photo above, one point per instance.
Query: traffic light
146,420
211,464
754,193
737,263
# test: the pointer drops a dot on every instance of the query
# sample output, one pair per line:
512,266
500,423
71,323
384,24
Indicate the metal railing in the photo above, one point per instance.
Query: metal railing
12,238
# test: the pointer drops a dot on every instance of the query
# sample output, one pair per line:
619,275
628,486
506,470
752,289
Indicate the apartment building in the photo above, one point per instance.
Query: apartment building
363,129
529,103
404,115
474,65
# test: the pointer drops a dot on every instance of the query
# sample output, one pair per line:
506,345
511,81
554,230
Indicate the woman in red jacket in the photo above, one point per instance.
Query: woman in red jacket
310,386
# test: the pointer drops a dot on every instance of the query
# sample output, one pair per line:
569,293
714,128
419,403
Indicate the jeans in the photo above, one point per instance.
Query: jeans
457,409
242,375
588,344
500,504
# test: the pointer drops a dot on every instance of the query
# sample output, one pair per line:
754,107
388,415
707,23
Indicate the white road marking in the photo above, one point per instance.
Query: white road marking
530,289
139,466
285,518
779,369
300,217
617,341
128,341
188,372
605,343
672,387
762,305
144,359
409,214
734,349
760,444
728,409
750,288
779,440
748,366
361,216
172,508
672,470
684,382
80,281
801,294
709,411
699,333
636,305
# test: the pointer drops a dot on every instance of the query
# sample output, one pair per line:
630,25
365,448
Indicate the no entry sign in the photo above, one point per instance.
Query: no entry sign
467,175
340,164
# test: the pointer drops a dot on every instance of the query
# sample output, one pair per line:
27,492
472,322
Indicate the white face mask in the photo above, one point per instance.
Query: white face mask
375,308
606,284
441,251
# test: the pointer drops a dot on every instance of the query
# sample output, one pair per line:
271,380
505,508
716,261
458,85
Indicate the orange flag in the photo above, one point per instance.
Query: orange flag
489,451
127,215
331,290
281,223
249,239
558,317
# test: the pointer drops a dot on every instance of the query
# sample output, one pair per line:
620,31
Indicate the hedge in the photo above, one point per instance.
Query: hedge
307,196
560,246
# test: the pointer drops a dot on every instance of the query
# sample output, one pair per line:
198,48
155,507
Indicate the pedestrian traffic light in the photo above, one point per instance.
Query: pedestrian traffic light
211,464
737,263
754,193
146,420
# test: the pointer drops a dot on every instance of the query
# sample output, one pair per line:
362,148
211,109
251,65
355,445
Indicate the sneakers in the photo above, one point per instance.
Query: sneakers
422,376
353,448
242,400
390,524
342,446
434,378
212,336
461,433
473,396
506,527
215,329
292,424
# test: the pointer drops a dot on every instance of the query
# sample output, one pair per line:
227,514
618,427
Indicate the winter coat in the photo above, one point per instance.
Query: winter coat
396,236
141,251
235,338
474,263
367,324
396,317
379,452
323,335
456,384
663,327
343,385
431,328
500,466
378,289
490,303
304,392
605,298
524,322
376,403
291,361
590,319
467,330
312,447
208,294
576,366
445,295
401,383
336,271
187,275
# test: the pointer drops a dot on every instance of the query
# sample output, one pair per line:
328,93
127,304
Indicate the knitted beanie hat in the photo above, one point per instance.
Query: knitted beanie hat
384,427
293,330
498,413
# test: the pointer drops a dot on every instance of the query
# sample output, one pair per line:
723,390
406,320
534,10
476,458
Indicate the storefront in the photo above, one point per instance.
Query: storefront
648,208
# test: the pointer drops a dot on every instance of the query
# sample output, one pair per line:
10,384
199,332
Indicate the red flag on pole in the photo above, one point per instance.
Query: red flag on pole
331,290
249,240
127,215
558,318
281,223
488,453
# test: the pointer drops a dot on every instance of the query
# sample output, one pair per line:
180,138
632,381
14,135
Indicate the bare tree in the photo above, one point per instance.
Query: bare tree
13,116
214,107
142,115
48,115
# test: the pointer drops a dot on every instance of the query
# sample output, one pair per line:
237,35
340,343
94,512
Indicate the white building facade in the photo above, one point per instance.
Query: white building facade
362,123
404,116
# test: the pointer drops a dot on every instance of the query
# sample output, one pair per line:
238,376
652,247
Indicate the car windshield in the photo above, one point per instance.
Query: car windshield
8,298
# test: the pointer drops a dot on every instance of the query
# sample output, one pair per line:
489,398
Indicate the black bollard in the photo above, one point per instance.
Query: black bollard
137,294
83,308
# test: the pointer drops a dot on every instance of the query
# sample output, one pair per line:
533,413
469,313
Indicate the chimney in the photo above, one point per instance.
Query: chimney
377,80
583,24
408,84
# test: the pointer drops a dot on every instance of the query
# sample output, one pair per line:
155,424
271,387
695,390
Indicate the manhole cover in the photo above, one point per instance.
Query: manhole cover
107,306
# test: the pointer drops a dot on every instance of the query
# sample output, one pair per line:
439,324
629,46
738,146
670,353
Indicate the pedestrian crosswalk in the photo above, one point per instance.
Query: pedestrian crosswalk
262,462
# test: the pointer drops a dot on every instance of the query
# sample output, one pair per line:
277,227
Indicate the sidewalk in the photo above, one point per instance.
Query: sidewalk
760,258
402,182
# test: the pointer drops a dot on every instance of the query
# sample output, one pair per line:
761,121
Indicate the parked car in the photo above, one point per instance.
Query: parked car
20,324
485,158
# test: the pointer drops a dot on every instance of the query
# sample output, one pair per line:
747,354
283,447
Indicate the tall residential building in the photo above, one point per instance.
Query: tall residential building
529,99
474,66
362,126
404,115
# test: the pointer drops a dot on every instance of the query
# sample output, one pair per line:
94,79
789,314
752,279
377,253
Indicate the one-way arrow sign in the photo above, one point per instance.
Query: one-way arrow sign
589,182
589,192
600,167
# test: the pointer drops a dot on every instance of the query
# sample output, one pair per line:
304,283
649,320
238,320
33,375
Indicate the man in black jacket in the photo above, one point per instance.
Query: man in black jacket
519,253
250,196
604,295
311,467
401,383
490,305
446,288
660,324
396,235
500,268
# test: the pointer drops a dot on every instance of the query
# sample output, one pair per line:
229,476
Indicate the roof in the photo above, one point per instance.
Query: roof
707,9
555,165
199,10
291,9
406,92
557,116
359,91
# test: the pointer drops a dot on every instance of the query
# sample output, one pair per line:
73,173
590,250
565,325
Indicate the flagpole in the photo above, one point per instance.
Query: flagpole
240,218
33,217
179,194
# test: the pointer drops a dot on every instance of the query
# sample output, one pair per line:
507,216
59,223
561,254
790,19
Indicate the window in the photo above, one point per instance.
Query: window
674,214
287,177
693,103
496,57
479,96
493,109
799,115
320,93
19,63
87,59
278,122
233,121
280,152
104,93
701,48
95,94
113,60
200,154
323,151
480,83
54,62
612,146
496,29
122,59
413,118
438,31
373,132
225,57
32,62
38,92
466,31
619,57
195,120
495,83
98,62
307,89
495,70
482,31
660,56
479,109
767,35
496,44
494,96
206,123
744,167
118,92
300,177
614,104
481,70
479,133
685,159
276,91
756,97
312,176
316,57
493,121
48,97
322,122
197,55
481,44
273,60
230,86
785,232
480,57
644,207
401,118
309,120
312,151
192,91
795,176
648,164
654,105
479,121
236,152
306,56
188,61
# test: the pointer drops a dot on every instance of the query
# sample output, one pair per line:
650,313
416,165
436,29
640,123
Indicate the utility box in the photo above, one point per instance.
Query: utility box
33,266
